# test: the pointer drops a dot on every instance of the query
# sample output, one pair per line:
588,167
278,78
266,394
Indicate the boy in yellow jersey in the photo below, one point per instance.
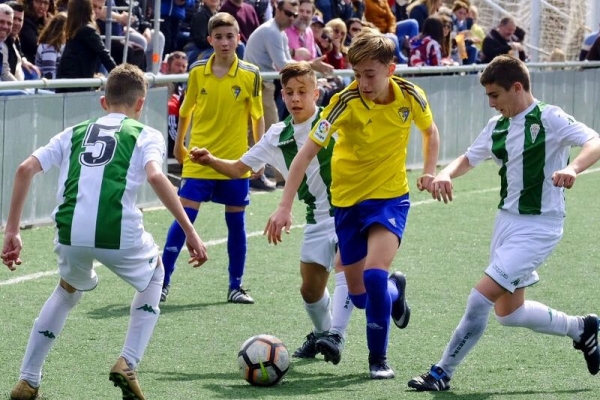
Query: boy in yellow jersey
372,119
223,93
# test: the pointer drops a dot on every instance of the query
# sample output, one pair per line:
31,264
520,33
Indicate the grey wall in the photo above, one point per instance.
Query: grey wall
28,122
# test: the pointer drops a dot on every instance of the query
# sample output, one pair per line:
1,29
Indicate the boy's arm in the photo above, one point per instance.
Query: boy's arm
282,217
258,128
589,155
11,249
179,150
431,147
231,168
441,187
166,194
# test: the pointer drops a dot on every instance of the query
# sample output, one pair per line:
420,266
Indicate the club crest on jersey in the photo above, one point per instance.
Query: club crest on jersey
403,112
322,130
534,130
236,90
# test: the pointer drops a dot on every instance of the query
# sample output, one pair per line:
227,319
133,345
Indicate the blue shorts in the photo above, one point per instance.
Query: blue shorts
230,192
352,224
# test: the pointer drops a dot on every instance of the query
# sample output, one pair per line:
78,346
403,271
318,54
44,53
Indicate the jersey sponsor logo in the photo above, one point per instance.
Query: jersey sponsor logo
403,112
203,91
286,142
236,90
322,130
534,130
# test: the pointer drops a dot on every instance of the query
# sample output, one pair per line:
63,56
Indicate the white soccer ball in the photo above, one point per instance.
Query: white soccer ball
264,360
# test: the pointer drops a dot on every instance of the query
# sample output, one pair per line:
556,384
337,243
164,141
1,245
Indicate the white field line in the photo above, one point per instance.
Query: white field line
216,242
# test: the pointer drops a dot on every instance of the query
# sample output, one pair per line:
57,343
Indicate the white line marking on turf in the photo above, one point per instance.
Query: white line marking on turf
216,242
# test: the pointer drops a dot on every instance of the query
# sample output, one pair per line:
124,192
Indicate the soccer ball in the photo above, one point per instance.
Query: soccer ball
264,360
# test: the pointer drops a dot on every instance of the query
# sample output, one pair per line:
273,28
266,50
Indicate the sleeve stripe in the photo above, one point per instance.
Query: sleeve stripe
198,63
257,79
408,87
339,108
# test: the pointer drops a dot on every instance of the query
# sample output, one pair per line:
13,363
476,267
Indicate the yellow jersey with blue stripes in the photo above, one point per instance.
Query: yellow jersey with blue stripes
369,157
221,109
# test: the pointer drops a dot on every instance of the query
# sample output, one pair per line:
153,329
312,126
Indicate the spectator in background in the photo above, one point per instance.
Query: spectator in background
244,14
500,41
317,26
198,46
84,49
419,10
358,10
594,53
353,27
337,57
462,34
587,44
172,12
20,67
300,36
425,49
477,31
37,15
177,63
378,13
52,43
6,18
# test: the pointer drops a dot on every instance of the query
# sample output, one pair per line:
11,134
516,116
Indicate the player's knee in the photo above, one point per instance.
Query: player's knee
310,293
513,319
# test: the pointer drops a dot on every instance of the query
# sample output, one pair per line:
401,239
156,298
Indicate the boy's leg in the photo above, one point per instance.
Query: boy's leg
514,310
235,195
316,303
191,193
144,312
46,328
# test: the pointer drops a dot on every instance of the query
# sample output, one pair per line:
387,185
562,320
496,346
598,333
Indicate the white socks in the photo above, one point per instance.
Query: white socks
543,319
342,306
467,333
46,328
319,314
144,314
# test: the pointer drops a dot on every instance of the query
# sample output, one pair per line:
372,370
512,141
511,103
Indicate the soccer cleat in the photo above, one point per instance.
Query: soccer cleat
24,391
239,296
331,346
588,343
436,380
400,308
308,348
164,293
126,379
379,369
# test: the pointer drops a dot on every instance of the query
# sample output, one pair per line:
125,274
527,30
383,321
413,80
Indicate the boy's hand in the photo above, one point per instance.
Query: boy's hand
11,250
180,152
564,178
424,182
441,188
280,219
200,156
197,250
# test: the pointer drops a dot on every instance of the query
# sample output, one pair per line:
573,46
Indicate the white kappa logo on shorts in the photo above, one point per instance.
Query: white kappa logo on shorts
322,130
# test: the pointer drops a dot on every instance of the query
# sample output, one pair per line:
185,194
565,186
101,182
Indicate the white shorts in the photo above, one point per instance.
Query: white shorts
520,244
320,244
135,266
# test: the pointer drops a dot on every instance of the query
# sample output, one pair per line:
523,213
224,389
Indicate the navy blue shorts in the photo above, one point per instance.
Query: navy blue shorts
352,224
230,192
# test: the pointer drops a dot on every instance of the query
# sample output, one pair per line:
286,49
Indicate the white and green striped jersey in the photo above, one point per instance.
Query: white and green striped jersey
279,146
529,148
102,164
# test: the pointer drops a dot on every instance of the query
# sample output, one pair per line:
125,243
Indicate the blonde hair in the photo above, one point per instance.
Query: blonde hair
296,70
371,45
222,19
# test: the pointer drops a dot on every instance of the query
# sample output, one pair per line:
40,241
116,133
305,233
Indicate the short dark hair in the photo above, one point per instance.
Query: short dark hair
505,71
295,70
126,83
18,7
280,3
222,19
